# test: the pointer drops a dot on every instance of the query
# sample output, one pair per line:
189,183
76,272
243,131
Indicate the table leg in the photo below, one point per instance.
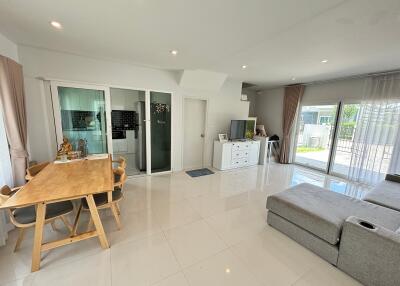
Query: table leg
97,222
37,244
75,226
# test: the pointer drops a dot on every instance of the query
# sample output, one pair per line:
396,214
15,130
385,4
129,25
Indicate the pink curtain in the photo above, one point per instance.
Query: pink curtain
12,99
293,94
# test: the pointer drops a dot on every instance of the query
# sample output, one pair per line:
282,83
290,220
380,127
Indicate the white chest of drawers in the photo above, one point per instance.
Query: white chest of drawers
230,155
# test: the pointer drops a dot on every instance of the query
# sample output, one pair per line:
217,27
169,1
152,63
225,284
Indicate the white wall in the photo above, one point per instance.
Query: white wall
224,105
269,104
8,48
125,99
222,108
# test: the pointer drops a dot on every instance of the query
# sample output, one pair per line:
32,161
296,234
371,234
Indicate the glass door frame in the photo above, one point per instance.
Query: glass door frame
333,138
336,126
148,131
57,108
336,138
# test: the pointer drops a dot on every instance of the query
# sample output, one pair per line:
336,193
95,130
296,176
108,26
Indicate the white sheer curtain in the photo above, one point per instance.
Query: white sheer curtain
394,167
377,129
6,177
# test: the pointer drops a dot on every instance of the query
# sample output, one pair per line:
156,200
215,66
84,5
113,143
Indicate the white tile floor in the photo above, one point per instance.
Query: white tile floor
182,231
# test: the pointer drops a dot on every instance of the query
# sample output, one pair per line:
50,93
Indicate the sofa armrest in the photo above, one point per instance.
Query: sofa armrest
393,178
369,253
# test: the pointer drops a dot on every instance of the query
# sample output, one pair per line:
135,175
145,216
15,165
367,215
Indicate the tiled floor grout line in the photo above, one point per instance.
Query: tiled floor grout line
200,260
176,258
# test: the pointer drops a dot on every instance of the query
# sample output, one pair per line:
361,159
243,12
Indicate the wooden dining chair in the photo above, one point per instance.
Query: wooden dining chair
25,217
34,170
107,200
121,162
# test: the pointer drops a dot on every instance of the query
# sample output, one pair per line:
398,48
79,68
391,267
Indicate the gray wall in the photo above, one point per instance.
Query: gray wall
251,97
8,48
268,110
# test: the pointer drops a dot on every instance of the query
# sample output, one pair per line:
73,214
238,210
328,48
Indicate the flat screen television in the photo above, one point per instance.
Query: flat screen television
242,129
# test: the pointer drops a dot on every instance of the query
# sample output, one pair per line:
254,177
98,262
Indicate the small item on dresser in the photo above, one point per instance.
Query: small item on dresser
223,137
260,131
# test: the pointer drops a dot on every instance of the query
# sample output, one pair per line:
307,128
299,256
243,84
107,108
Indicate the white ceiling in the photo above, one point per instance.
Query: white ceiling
276,39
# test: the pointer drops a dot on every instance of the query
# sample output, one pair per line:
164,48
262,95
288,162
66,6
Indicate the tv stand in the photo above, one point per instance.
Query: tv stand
235,154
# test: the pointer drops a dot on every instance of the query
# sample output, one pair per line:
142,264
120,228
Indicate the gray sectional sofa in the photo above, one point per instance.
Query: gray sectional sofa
361,237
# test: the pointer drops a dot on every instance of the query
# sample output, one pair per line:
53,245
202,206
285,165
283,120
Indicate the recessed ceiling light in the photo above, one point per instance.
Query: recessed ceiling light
293,78
244,67
56,25
324,61
227,270
174,52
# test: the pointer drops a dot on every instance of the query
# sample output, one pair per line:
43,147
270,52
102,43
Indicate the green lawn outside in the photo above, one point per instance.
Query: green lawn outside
303,149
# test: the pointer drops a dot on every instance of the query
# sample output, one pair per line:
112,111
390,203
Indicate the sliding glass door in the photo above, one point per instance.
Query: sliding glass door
344,140
315,135
349,140
365,140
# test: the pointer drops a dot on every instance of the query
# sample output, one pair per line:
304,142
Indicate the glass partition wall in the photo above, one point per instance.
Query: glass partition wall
134,124
82,118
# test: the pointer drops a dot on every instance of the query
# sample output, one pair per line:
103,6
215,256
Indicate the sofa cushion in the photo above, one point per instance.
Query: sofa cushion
323,212
386,194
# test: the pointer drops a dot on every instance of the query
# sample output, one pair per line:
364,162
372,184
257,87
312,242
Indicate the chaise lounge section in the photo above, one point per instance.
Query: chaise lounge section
359,237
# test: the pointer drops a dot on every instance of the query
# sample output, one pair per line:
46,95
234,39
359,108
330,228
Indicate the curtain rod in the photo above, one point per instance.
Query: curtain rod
360,76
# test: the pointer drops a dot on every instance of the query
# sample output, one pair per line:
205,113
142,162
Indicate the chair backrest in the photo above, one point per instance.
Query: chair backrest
5,194
121,162
119,172
35,169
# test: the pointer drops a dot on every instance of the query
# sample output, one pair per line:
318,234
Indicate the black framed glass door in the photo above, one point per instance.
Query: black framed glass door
160,123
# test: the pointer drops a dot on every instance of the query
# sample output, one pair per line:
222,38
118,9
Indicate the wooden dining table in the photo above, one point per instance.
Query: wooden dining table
62,182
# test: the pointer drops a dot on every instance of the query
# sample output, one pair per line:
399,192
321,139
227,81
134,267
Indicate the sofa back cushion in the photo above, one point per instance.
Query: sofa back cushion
386,194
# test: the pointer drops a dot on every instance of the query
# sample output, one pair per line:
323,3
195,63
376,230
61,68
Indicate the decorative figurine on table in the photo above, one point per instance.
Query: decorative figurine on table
82,147
65,148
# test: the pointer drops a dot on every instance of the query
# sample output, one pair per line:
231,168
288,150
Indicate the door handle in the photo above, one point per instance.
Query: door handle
202,135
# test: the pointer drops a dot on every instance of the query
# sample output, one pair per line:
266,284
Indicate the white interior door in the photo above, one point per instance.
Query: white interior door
194,133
